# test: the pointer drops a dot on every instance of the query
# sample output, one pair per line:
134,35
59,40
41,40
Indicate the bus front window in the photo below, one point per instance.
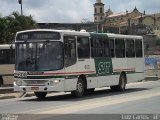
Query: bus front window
43,56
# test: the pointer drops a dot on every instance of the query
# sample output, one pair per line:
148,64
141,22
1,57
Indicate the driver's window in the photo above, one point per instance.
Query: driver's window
70,50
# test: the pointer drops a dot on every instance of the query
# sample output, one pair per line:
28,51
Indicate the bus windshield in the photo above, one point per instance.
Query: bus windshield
39,56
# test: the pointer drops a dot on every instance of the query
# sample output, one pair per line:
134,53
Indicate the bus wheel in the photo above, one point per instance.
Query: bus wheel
122,84
80,89
1,81
40,95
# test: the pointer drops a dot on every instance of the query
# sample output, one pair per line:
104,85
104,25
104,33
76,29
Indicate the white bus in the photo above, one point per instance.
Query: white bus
7,57
79,62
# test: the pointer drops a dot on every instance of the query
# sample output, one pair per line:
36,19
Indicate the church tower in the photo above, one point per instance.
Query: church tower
99,11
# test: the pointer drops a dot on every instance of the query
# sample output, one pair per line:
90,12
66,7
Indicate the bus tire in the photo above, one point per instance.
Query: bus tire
122,84
40,95
79,90
1,81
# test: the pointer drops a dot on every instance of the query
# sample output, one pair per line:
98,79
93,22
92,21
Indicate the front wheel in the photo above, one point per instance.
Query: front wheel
80,89
40,95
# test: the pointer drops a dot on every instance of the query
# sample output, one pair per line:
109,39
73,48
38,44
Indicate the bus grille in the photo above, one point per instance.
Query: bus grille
35,82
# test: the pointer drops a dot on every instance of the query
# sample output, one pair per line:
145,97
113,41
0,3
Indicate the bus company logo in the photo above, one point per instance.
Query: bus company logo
104,68
22,74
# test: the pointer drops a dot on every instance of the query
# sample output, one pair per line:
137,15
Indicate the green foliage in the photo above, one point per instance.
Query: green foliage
13,23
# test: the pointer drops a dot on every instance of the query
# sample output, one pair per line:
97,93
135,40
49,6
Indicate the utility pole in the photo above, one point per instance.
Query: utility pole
20,2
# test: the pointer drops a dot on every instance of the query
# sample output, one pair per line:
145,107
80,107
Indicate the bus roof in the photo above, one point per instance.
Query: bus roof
92,34
110,35
73,32
123,36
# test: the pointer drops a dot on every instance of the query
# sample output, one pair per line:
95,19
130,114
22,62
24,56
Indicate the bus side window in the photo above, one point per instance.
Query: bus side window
83,47
138,48
4,56
130,52
93,50
120,48
70,50
111,48
12,55
106,48
100,47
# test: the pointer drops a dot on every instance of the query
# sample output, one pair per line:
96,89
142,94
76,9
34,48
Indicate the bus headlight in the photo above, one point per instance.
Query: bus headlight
19,82
54,82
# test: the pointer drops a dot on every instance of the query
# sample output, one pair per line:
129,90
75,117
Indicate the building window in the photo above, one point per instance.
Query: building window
101,18
95,18
95,10
101,10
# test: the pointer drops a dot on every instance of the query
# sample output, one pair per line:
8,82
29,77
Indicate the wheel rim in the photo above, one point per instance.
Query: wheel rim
79,87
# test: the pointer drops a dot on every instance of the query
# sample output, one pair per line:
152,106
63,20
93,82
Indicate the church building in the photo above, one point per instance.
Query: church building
122,22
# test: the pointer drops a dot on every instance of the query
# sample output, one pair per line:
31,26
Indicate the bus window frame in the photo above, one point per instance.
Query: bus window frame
89,47
68,61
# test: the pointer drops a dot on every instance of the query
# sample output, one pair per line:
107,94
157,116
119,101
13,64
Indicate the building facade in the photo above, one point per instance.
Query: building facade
128,22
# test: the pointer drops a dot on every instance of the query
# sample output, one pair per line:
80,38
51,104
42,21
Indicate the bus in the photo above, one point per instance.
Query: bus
7,57
76,62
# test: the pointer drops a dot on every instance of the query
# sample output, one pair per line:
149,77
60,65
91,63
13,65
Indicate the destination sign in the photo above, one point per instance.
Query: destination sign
38,35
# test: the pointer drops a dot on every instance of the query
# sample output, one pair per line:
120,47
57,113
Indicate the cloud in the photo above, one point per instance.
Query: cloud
72,11
60,11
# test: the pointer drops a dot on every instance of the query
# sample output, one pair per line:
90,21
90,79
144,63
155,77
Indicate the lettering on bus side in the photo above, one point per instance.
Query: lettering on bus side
103,66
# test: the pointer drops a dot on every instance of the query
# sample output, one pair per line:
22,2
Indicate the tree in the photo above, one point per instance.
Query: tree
13,23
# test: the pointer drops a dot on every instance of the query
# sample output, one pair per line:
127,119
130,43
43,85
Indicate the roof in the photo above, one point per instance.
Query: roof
117,14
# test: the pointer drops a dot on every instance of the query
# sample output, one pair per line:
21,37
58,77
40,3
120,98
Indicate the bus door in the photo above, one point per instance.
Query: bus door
85,65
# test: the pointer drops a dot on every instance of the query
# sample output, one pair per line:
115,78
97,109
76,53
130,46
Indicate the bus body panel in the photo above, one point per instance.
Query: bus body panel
7,64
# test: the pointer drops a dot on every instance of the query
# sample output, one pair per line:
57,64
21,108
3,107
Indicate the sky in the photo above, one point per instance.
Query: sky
73,11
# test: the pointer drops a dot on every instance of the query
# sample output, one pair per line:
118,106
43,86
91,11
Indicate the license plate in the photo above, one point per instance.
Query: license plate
34,88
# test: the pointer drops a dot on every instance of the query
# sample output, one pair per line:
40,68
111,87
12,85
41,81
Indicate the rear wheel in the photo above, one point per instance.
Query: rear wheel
40,95
122,84
80,89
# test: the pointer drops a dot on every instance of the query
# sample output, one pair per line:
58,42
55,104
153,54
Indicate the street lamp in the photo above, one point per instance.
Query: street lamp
20,2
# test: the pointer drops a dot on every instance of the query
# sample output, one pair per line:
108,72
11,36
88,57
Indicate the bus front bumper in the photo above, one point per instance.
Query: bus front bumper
58,87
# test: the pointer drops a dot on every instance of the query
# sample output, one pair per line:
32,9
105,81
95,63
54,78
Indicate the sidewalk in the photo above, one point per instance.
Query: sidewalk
7,93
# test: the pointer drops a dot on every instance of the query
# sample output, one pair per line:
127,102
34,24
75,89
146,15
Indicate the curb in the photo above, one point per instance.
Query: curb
15,95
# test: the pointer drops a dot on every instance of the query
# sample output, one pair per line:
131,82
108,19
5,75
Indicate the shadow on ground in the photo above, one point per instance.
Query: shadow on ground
93,95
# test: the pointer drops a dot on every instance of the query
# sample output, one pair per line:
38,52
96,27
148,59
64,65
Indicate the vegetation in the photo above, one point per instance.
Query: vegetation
9,25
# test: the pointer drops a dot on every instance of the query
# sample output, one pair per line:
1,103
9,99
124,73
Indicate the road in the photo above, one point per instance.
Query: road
141,97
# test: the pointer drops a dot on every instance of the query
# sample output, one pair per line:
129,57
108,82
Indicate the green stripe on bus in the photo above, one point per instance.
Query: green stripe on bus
99,35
